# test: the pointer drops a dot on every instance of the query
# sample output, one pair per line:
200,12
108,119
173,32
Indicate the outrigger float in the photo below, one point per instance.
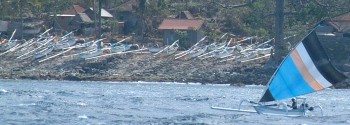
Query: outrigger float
305,70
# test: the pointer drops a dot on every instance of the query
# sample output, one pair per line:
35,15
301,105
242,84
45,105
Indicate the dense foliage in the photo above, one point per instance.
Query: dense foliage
256,18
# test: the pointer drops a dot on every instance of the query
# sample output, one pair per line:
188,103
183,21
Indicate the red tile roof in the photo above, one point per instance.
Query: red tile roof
74,10
180,24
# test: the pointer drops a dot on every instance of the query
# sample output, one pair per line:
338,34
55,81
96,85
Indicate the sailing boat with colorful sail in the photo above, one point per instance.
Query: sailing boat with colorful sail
305,70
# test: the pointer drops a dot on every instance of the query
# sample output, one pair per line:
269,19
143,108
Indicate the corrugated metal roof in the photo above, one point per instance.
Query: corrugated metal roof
104,13
85,18
180,24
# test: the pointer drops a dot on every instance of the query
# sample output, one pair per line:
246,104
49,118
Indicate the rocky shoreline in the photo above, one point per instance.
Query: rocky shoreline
138,67
149,68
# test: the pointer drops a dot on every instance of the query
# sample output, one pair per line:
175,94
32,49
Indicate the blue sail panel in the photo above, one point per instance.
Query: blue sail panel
288,82
305,70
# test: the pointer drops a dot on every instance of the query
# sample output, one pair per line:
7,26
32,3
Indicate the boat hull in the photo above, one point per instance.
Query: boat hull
91,54
120,48
268,110
43,53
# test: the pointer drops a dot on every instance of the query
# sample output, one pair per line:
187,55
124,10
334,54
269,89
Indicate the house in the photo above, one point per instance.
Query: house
193,29
82,24
339,24
31,27
106,18
79,19
125,13
104,13
64,18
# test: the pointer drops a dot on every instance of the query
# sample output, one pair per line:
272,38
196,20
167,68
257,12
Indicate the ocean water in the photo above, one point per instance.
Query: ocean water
139,103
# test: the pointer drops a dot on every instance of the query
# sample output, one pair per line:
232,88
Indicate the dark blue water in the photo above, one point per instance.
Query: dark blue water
105,103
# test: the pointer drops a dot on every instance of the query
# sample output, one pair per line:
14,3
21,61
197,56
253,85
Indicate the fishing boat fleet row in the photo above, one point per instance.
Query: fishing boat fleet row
45,47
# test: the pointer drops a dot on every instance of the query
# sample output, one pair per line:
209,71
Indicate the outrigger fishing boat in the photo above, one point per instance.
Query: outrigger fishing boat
168,50
43,52
305,70
115,48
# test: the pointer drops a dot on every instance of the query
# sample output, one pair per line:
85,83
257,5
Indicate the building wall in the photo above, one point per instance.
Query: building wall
63,22
169,36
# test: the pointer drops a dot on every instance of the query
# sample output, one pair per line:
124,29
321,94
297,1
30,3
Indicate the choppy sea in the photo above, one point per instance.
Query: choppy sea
142,103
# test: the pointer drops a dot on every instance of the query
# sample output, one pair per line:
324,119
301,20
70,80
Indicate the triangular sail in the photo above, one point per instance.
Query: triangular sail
306,69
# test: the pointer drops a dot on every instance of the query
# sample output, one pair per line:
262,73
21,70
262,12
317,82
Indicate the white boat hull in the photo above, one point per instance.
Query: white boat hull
91,54
154,50
43,52
198,52
120,48
171,50
273,110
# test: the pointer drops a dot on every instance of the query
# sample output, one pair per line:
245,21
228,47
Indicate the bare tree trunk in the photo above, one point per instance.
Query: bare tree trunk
99,23
21,16
95,17
55,17
280,47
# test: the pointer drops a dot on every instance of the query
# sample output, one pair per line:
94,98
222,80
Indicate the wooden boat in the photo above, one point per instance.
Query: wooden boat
169,50
283,109
63,45
184,53
115,48
43,44
10,43
155,49
111,54
198,51
85,48
216,46
299,73
265,50
43,52
227,51
249,55
91,54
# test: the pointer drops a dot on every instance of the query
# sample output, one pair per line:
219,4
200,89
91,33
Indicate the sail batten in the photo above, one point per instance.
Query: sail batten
305,70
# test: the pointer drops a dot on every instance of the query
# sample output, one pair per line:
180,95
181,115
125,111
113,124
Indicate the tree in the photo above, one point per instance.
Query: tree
280,46
150,13
183,38
302,15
